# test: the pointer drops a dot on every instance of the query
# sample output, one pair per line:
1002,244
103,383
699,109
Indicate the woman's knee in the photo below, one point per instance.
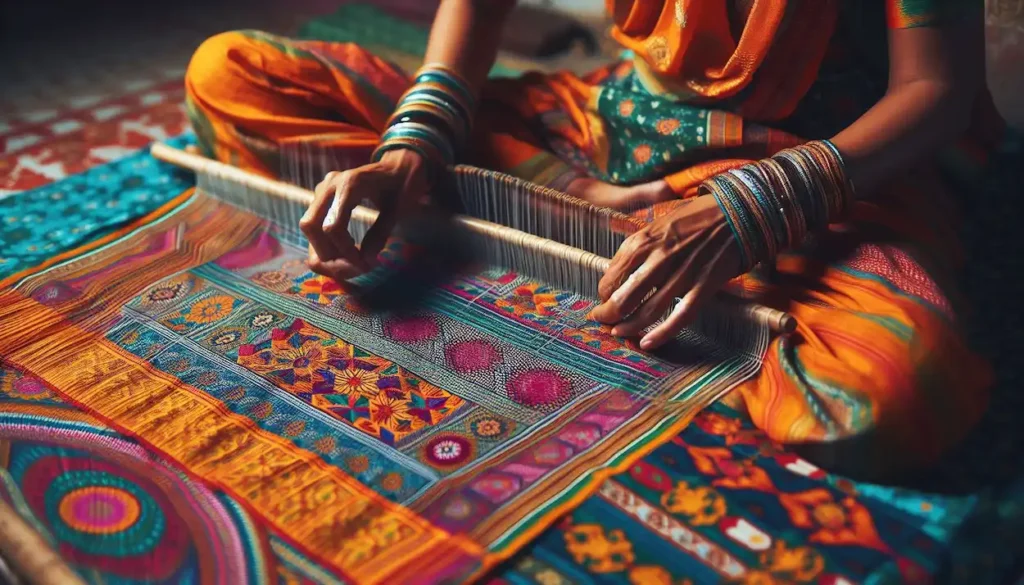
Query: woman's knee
869,398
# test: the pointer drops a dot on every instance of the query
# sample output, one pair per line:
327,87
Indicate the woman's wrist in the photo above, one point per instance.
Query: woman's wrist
432,118
774,204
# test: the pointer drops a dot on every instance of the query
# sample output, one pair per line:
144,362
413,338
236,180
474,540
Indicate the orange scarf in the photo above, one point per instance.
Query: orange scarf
687,49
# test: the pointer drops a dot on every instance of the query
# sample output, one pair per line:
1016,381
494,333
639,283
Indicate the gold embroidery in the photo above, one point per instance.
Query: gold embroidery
657,50
681,13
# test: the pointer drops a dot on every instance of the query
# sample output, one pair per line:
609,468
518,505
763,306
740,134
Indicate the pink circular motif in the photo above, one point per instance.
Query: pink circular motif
411,329
539,388
458,509
448,451
472,356
29,388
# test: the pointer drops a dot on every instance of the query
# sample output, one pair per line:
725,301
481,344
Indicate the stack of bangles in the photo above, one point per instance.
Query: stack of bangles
772,205
432,117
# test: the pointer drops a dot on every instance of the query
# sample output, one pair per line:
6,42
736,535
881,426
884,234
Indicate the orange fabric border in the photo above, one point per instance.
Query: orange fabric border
312,503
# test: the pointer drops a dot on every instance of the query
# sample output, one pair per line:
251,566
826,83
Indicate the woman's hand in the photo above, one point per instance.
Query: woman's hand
620,197
397,184
690,253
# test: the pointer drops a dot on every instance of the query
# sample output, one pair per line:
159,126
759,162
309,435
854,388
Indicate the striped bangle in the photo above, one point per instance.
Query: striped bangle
773,204
432,117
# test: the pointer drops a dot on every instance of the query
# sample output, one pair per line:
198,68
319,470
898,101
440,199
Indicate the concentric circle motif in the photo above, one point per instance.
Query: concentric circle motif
167,292
24,388
488,427
274,280
227,337
448,451
112,509
458,509
263,319
101,513
99,510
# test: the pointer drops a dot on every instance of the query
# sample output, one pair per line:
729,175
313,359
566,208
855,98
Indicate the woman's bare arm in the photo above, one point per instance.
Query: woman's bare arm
465,36
935,74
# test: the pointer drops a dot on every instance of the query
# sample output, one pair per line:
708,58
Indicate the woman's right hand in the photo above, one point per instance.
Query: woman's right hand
397,185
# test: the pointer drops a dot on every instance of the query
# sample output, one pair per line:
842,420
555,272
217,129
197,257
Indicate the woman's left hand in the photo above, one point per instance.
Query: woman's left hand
690,253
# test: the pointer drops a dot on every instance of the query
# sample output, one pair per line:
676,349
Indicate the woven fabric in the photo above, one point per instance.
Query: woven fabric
415,446
699,507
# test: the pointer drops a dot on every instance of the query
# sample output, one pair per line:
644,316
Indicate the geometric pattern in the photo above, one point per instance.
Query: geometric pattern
371,393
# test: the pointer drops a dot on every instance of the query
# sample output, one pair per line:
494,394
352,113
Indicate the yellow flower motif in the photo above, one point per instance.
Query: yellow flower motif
387,411
210,309
649,575
642,153
599,552
702,506
548,577
799,564
356,381
626,108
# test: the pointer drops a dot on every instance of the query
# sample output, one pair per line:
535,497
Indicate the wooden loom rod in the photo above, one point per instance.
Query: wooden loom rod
29,555
778,321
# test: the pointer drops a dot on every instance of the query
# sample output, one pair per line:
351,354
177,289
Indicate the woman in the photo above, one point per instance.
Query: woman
716,127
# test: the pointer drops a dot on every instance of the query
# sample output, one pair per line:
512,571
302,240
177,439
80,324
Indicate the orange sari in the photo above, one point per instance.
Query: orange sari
877,376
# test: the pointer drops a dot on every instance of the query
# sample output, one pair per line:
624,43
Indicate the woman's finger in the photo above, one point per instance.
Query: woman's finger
708,282
394,205
626,259
312,221
650,274
683,313
660,302
352,187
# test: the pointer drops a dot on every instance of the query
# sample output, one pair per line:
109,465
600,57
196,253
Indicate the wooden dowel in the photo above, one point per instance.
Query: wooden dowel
28,555
777,321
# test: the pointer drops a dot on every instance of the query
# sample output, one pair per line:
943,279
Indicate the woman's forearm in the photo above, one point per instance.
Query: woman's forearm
905,126
935,76
465,37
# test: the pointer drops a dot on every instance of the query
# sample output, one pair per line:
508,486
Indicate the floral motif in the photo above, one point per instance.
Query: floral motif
834,522
202,311
357,381
358,463
391,482
263,319
448,451
210,309
274,280
226,337
701,505
626,108
319,289
165,293
667,126
389,411
368,392
489,427
642,153
530,300
598,551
